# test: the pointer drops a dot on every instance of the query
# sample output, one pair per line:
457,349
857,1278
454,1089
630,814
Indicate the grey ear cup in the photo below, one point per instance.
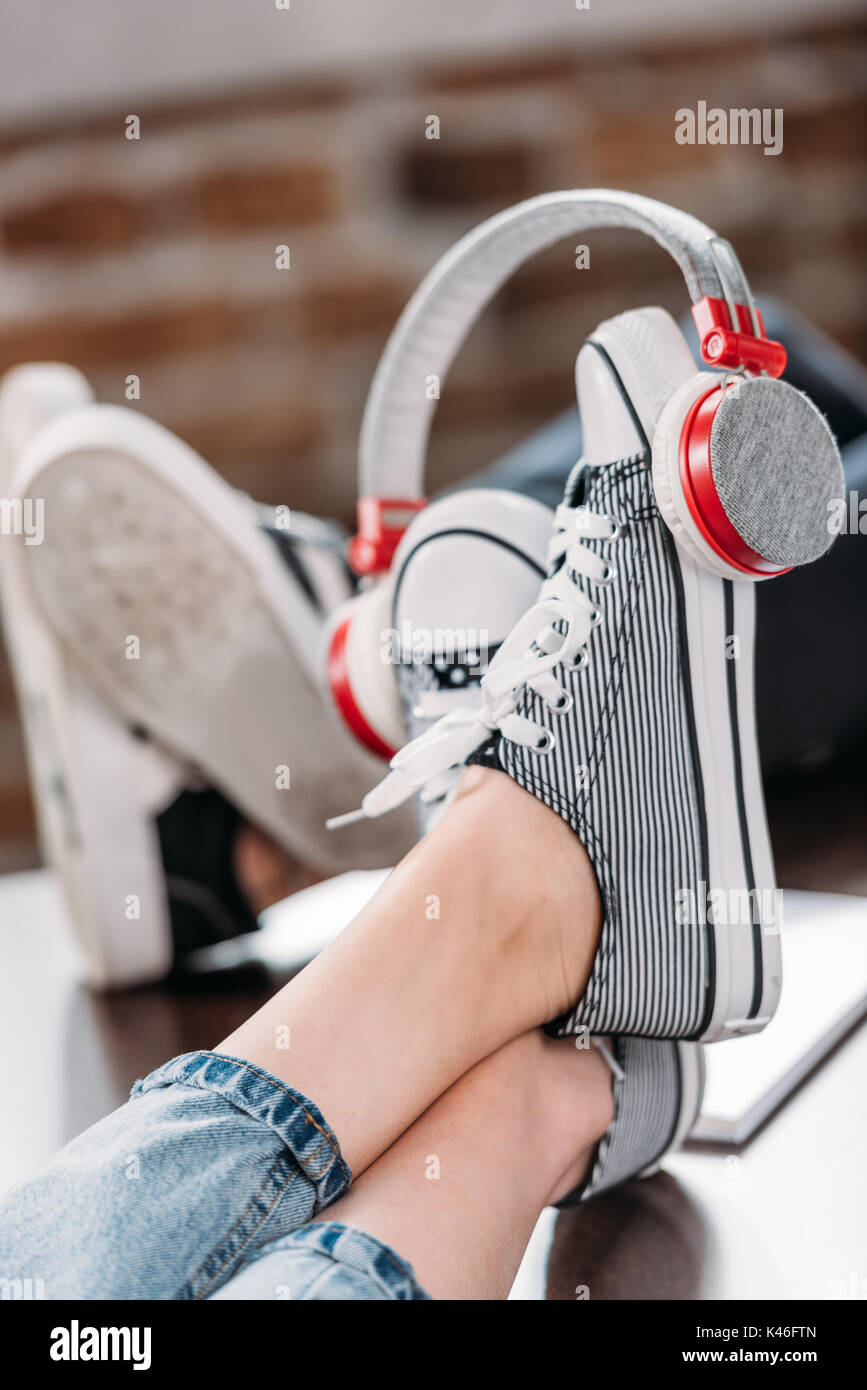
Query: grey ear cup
776,468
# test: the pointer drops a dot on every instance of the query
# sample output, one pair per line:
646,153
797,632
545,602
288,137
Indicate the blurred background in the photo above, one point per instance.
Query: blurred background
306,126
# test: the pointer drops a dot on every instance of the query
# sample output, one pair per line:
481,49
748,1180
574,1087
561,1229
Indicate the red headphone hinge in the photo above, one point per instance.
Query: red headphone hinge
724,344
381,524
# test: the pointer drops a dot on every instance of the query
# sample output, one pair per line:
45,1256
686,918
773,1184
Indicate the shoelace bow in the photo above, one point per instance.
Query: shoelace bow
550,634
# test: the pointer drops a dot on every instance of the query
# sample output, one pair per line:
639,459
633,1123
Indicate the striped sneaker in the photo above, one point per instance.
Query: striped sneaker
615,702
658,1089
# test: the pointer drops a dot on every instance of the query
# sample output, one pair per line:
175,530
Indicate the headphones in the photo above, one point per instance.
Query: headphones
743,464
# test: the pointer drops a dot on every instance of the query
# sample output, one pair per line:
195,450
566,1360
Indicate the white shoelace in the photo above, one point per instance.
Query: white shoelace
613,1065
527,658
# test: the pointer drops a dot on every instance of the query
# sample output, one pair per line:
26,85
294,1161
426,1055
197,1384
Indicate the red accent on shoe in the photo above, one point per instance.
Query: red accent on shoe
724,344
353,716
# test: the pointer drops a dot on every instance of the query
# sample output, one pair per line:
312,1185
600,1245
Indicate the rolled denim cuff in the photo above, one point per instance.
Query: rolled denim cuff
295,1120
380,1266
325,1261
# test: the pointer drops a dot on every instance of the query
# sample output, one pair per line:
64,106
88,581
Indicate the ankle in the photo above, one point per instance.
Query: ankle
539,885
562,1091
582,1109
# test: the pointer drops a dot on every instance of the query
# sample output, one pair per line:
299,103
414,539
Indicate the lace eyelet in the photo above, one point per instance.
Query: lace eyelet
616,532
579,663
561,706
545,743
596,617
609,576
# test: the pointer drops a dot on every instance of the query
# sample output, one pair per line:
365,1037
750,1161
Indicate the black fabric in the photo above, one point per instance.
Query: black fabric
291,546
197,836
487,755
288,549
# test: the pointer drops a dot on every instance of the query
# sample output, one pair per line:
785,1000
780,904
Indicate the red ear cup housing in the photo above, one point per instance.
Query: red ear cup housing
362,686
759,471
699,489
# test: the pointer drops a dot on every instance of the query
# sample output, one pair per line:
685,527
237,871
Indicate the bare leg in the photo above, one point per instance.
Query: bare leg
459,1193
486,929
265,873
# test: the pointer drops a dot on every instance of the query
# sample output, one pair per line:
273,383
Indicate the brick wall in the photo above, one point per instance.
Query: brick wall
156,257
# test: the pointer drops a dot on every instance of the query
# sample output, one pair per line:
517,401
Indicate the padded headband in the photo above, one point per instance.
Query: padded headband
435,322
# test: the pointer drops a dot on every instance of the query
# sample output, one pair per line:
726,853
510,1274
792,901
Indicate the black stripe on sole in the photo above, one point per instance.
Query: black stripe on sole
758,965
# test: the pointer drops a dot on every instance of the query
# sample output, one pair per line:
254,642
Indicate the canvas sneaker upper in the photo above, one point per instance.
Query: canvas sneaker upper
614,701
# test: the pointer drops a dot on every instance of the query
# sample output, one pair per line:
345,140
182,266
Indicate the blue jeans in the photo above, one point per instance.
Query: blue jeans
201,1186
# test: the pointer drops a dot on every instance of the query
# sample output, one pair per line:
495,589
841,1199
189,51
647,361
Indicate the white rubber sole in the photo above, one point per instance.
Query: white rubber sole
719,618
741,895
159,584
97,791
748,966
692,1080
94,785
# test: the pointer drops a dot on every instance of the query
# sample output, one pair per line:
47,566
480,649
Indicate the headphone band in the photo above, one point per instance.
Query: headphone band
437,319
